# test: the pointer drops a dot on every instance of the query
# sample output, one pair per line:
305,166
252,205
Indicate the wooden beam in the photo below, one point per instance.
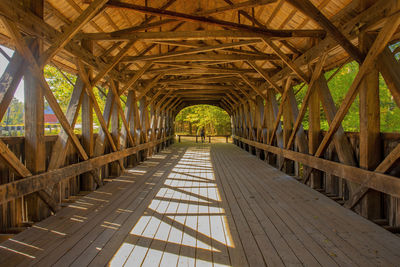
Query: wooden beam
59,151
150,85
71,30
375,13
390,69
89,91
378,46
285,59
280,111
194,50
213,21
9,81
164,105
31,184
214,78
378,181
258,91
121,112
114,62
370,147
245,4
132,81
265,76
201,57
383,167
13,161
310,90
35,26
306,7
27,54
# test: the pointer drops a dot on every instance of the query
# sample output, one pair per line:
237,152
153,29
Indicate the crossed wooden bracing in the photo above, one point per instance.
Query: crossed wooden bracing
162,56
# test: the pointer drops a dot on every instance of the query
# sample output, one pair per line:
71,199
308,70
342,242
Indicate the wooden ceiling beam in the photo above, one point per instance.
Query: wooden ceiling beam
135,77
265,76
205,57
177,43
214,78
213,21
195,50
33,25
233,7
150,85
306,7
195,35
198,91
193,66
194,86
287,60
71,30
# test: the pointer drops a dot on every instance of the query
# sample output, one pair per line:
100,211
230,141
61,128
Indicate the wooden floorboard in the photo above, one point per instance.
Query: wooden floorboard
203,205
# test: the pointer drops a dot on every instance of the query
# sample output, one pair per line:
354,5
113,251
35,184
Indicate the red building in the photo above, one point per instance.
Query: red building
49,116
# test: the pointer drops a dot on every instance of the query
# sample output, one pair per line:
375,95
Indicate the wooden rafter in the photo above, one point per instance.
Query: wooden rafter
209,20
245,4
310,10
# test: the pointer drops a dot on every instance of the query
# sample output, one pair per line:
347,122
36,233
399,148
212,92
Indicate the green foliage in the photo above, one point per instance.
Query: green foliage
214,120
14,114
339,85
60,87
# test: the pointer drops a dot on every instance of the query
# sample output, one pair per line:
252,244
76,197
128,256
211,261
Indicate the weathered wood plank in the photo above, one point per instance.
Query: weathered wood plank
378,181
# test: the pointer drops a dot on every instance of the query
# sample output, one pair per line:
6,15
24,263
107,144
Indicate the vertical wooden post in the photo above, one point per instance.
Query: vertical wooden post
314,131
370,147
259,115
287,131
35,151
130,117
143,114
115,133
87,183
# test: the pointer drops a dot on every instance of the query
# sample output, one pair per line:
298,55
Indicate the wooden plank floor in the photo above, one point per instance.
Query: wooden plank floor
203,205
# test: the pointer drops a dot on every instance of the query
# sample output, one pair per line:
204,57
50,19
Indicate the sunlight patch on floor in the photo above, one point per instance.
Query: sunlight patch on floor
184,223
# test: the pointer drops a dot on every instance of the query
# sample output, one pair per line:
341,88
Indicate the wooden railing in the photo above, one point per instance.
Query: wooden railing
197,137
14,190
381,182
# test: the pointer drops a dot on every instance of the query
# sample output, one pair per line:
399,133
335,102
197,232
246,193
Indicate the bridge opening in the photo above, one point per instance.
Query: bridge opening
215,121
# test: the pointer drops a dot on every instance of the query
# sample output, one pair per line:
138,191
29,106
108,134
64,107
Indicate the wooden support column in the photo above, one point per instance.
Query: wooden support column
130,117
287,127
279,133
144,115
314,133
115,133
370,147
259,115
35,150
87,182
101,138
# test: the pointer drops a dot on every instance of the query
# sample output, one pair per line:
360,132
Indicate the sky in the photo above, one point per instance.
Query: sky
19,94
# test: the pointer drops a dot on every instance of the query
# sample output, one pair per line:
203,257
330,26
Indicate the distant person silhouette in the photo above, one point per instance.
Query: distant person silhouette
203,135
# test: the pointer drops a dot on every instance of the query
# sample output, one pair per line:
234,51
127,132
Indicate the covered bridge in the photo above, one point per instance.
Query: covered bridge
124,196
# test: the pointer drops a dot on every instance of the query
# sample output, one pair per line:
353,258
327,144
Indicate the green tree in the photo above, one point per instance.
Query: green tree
15,113
214,120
